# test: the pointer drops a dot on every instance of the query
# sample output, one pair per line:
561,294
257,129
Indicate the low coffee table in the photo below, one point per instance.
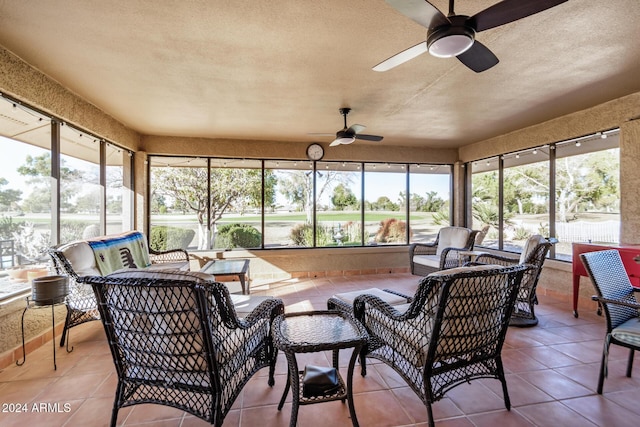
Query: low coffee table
314,331
229,267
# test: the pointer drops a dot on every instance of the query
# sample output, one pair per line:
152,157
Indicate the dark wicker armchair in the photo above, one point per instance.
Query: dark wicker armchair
452,332
616,296
534,253
180,343
425,258
81,302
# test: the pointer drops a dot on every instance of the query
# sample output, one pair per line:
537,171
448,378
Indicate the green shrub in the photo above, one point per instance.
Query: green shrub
7,227
231,236
302,235
164,238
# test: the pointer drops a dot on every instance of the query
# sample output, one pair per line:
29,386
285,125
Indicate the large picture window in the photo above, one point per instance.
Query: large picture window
294,204
33,215
569,190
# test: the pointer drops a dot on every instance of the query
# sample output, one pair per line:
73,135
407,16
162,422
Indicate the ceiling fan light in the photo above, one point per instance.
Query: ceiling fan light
346,139
448,41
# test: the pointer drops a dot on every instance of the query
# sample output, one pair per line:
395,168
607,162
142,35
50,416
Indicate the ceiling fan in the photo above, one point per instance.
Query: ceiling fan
454,35
349,134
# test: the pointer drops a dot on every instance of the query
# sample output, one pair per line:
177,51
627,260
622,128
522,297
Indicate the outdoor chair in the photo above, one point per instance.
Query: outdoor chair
176,340
451,333
533,253
615,294
425,258
75,260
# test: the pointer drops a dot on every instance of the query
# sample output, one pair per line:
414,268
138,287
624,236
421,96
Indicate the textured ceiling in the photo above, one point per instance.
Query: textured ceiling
279,70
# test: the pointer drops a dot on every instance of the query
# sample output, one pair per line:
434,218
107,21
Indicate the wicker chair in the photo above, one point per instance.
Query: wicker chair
615,294
451,333
180,343
534,253
81,302
425,258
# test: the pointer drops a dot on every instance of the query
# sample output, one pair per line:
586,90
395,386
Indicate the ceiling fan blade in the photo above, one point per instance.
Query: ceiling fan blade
508,11
356,128
335,142
369,137
402,57
421,11
479,58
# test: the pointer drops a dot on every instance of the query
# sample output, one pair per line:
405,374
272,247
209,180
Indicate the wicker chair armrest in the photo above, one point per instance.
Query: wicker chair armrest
497,259
171,255
423,249
61,263
267,309
393,291
616,302
376,303
449,257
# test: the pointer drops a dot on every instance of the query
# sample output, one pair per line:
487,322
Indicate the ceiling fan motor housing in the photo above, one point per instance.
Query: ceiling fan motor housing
451,39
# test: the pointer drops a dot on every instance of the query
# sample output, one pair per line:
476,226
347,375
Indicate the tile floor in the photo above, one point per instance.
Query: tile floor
551,369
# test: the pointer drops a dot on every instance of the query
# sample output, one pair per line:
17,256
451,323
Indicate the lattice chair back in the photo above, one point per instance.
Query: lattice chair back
165,353
611,282
452,332
470,324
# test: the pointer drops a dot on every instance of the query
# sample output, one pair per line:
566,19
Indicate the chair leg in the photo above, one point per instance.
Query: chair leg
601,375
432,423
503,381
66,327
630,363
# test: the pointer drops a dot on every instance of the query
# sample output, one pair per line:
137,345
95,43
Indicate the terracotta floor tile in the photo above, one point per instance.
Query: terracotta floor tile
553,414
602,411
552,371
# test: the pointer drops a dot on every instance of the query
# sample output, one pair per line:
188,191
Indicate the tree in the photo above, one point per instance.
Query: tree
384,204
343,198
187,187
38,171
9,196
298,187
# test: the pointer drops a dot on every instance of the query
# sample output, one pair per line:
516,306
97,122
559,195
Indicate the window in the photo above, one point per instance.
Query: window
429,200
485,208
385,209
338,204
525,208
80,190
587,192
288,218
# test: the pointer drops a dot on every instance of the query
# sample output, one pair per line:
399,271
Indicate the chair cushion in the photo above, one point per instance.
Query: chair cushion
80,256
388,297
428,260
628,332
531,243
452,237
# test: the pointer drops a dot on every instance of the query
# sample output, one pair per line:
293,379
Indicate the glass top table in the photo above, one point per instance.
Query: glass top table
316,331
229,267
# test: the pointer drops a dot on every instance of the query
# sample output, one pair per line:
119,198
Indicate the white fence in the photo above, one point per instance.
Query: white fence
583,231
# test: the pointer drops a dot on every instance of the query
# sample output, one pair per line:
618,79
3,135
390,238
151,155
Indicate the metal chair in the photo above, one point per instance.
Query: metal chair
451,333
615,294
533,253
425,258
180,343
